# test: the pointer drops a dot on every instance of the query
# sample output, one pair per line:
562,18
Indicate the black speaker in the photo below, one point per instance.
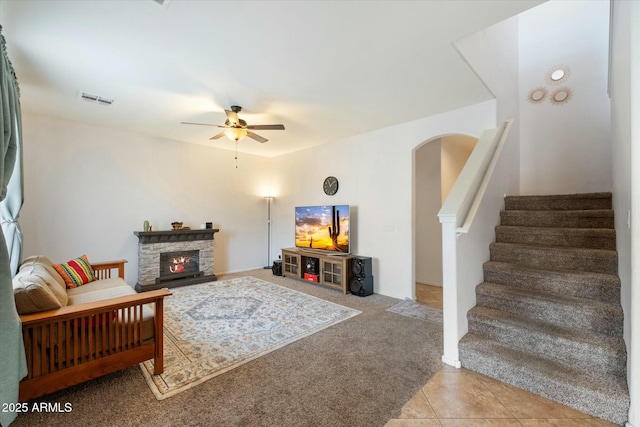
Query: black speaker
276,269
361,286
312,266
361,267
361,281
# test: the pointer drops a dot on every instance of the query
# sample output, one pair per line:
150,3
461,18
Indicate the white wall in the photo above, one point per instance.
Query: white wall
625,131
621,152
88,188
376,178
565,148
493,54
428,199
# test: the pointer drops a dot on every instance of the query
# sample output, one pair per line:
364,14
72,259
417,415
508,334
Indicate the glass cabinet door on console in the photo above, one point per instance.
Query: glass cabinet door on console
332,272
291,264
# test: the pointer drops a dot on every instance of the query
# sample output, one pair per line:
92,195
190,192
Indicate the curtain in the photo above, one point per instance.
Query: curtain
10,211
13,365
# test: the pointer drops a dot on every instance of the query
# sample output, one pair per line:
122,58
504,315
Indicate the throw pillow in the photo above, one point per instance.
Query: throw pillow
76,272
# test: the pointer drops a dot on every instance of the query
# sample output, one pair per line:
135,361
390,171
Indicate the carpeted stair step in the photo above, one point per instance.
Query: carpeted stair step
600,354
560,310
602,398
559,202
593,238
572,219
598,286
554,258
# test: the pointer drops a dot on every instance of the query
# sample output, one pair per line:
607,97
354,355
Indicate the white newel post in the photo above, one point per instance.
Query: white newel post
449,292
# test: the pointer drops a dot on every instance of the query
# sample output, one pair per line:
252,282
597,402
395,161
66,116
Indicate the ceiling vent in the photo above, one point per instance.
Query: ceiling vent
95,98
164,3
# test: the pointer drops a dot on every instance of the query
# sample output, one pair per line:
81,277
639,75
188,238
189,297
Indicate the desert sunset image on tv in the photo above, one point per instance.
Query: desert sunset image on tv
323,227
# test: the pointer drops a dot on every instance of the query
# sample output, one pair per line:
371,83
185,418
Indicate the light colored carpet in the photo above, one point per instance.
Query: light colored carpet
410,308
214,327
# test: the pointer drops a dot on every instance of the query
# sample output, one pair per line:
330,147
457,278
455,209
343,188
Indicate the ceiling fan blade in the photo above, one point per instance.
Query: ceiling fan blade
218,136
232,116
256,136
266,127
201,124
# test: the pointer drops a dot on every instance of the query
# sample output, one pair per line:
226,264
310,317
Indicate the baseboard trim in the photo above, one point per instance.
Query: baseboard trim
454,363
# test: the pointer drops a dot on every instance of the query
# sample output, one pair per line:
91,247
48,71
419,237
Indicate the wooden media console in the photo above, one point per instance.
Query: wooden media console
333,269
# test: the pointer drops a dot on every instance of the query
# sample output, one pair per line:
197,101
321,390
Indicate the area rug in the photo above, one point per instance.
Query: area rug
214,327
410,308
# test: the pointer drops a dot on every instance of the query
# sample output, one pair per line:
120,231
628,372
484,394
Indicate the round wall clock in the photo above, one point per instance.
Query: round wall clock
330,185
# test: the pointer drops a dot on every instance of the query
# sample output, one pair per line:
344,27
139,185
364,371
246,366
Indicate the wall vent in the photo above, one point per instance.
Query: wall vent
95,98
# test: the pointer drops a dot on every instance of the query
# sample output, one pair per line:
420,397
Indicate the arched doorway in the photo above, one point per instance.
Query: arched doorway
437,163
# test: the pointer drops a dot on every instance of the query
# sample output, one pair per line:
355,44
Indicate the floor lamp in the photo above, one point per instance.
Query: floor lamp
269,199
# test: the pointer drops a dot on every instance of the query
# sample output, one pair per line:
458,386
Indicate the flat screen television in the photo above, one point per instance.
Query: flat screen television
323,228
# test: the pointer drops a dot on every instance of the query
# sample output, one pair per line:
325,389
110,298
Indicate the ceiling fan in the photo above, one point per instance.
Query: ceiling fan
235,128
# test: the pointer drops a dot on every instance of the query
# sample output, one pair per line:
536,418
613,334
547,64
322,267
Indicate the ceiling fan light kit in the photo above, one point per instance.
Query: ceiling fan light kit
235,134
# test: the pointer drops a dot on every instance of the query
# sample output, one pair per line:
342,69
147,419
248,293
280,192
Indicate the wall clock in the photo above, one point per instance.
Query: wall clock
330,185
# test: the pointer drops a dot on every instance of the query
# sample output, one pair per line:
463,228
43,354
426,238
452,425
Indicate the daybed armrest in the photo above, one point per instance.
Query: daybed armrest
102,270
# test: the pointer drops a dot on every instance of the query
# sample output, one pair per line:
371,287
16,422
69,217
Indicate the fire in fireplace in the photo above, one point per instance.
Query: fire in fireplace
182,264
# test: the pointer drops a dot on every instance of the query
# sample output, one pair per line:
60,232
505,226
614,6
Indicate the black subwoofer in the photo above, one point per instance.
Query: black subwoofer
361,286
361,281
276,269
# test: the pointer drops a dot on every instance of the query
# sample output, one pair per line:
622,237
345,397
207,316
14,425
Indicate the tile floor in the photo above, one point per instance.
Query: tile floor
462,398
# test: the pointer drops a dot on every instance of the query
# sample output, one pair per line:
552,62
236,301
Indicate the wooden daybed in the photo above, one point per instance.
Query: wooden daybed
91,335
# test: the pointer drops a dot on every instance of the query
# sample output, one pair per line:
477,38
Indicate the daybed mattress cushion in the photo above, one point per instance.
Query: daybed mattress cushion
38,270
111,288
38,287
32,294
99,290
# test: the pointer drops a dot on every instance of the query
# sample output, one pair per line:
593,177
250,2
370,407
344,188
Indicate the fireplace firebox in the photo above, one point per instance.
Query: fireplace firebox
179,264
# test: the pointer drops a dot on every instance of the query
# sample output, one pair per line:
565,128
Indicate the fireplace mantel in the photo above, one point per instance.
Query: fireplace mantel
164,236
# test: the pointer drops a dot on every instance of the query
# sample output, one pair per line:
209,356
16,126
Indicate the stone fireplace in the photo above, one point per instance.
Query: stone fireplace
167,259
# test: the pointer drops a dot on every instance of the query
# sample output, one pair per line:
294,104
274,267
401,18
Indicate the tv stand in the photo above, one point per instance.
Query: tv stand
333,270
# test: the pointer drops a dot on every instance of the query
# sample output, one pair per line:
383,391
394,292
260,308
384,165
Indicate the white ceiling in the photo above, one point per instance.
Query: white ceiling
325,69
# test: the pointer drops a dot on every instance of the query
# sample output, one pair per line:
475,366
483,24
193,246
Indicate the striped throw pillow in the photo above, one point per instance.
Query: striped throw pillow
76,272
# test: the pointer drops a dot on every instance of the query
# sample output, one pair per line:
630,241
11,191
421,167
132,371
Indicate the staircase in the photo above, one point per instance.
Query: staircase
548,316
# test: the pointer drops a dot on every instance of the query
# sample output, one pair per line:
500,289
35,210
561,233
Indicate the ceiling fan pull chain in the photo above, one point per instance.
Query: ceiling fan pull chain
236,154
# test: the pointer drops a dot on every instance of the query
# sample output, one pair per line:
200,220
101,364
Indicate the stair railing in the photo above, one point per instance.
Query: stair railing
456,216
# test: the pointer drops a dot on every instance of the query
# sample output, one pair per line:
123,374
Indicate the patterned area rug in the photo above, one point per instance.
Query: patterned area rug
214,327
410,308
